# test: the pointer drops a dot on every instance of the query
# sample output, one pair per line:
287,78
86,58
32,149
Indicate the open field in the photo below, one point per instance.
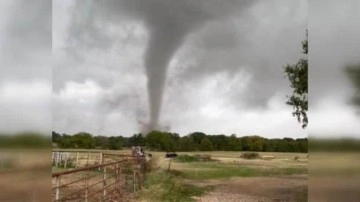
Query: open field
230,178
226,177
335,176
24,175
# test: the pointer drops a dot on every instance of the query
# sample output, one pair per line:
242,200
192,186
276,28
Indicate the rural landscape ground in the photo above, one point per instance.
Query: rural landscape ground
227,177
224,176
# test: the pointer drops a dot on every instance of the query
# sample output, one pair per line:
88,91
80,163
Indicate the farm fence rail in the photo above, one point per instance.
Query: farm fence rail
103,182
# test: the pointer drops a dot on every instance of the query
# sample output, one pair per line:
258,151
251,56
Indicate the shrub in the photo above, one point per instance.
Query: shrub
151,164
163,186
250,155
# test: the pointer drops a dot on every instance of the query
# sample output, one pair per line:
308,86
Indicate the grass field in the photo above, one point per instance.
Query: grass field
226,177
231,178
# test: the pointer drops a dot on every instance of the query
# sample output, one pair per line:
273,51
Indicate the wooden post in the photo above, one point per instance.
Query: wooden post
138,180
169,165
126,176
57,194
52,159
77,159
120,176
101,160
104,183
86,186
66,158
117,174
134,181
56,159
87,161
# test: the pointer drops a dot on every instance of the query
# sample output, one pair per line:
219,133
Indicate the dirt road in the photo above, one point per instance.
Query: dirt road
256,189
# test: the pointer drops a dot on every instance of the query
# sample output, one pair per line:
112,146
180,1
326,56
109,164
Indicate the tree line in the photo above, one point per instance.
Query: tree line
24,140
166,141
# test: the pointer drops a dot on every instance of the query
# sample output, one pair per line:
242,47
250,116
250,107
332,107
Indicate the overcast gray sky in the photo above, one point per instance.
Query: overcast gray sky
25,66
224,73
334,30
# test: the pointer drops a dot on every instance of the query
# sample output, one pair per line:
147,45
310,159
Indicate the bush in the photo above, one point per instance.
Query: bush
250,155
163,186
151,164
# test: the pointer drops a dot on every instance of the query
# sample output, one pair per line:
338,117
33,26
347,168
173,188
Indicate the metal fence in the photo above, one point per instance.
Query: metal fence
104,182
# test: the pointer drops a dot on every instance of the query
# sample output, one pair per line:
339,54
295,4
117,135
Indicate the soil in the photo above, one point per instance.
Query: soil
256,189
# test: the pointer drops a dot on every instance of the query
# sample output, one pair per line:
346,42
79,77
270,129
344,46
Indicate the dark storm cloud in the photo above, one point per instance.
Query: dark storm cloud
167,23
180,44
261,42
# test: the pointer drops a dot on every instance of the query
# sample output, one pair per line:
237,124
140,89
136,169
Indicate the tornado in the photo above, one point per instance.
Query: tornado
161,47
168,23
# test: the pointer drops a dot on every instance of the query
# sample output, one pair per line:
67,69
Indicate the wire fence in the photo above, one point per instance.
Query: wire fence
103,182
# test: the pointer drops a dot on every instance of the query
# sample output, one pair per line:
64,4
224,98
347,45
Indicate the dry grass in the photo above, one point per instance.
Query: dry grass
277,174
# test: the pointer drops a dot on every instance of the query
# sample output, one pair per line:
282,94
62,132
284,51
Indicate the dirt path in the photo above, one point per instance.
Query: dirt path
256,189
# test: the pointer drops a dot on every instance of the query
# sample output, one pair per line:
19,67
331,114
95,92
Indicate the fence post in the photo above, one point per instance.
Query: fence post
86,186
104,183
57,159
126,175
52,158
66,158
117,176
88,157
138,175
101,160
134,181
57,195
77,159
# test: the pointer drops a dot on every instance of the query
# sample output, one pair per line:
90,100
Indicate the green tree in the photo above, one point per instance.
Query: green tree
197,136
174,141
56,137
101,142
220,142
298,77
116,143
137,140
160,141
84,140
233,143
302,144
66,141
206,145
187,143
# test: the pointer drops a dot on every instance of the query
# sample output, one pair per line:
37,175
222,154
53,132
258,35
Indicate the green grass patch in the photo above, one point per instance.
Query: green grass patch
164,186
185,158
210,170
